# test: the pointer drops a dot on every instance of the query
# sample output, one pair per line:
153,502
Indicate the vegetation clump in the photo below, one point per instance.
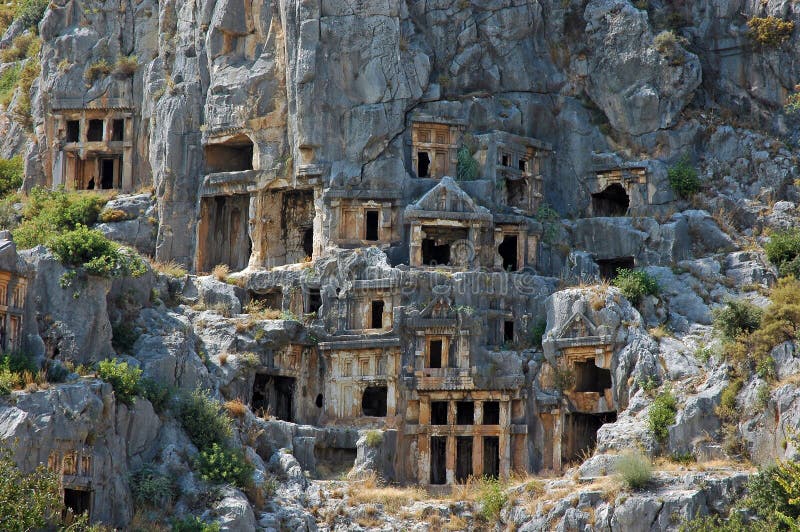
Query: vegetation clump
50,212
636,284
736,317
96,70
28,501
204,419
126,66
11,174
91,250
467,166
683,178
769,32
125,379
374,438
151,488
221,464
634,470
492,498
662,415
783,250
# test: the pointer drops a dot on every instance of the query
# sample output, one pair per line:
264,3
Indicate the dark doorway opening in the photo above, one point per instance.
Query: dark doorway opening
371,225
314,302
523,165
609,267
438,412
106,174
376,321
505,160
433,255
508,332
590,378
465,413
73,131
95,131
435,354
491,413
78,501
463,458
333,462
319,402
223,235
118,130
423,164
491,456
580,434
508,251
438,460
273,395
272,299
613,201
308,242
373,402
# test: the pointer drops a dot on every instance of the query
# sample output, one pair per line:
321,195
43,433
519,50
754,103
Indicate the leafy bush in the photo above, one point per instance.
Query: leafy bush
204,419
47,213
727,401
768,491
537,331
150,488
783,250
123,378
11,174
15,369
662,414
90,249
491,498
635,284
8,82
27,500
549,218
30,12
193,524
96,70
223,465
374,438
683,178
769,31
467,167
737,317
8,381
634,470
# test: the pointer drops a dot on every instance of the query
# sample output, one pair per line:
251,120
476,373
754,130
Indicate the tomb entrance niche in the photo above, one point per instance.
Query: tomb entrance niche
611,201
233,155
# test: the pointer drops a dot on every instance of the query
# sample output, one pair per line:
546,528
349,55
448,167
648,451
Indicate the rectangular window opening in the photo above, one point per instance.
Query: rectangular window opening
377,315
439,412
371,220
465,413
435,354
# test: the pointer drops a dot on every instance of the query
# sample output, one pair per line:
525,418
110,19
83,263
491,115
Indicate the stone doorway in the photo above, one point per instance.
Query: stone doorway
612,201
491,456
580,434
438,459
591,378
609,267
273,395
77,501
508,251
374,401
223,232
463,458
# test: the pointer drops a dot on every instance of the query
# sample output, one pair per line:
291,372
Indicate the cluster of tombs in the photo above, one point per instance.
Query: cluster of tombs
424,373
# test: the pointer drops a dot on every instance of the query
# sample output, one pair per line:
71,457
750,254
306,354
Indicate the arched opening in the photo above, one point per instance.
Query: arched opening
612,201
319,401
234,155
373,401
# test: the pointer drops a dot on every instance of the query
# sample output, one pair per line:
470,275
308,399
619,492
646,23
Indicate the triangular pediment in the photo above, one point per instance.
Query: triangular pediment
578,326
447,196
439,308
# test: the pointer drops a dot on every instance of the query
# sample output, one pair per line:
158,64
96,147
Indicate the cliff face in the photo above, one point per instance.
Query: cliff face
336,83
419,207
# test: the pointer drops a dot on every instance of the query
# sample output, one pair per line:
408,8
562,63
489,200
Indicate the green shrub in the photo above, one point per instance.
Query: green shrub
714,523
123,337
549,218
193,524
492,498
123,378
683,178
783,250
11,174
374,438
769,31
27,499
8,381
737,317
22,107
150,488
18,362
537,332
8,82
767,495
204,419
98,69
90,249
635,284
662,414
634,470
157,393
47,213
225,466
727,401
22,47
30,12
467,167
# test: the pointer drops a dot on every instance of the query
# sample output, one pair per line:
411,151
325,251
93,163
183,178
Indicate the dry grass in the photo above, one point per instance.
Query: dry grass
455,523
223,359
660,332
221,272
171,268
370,490
235,408
113,215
